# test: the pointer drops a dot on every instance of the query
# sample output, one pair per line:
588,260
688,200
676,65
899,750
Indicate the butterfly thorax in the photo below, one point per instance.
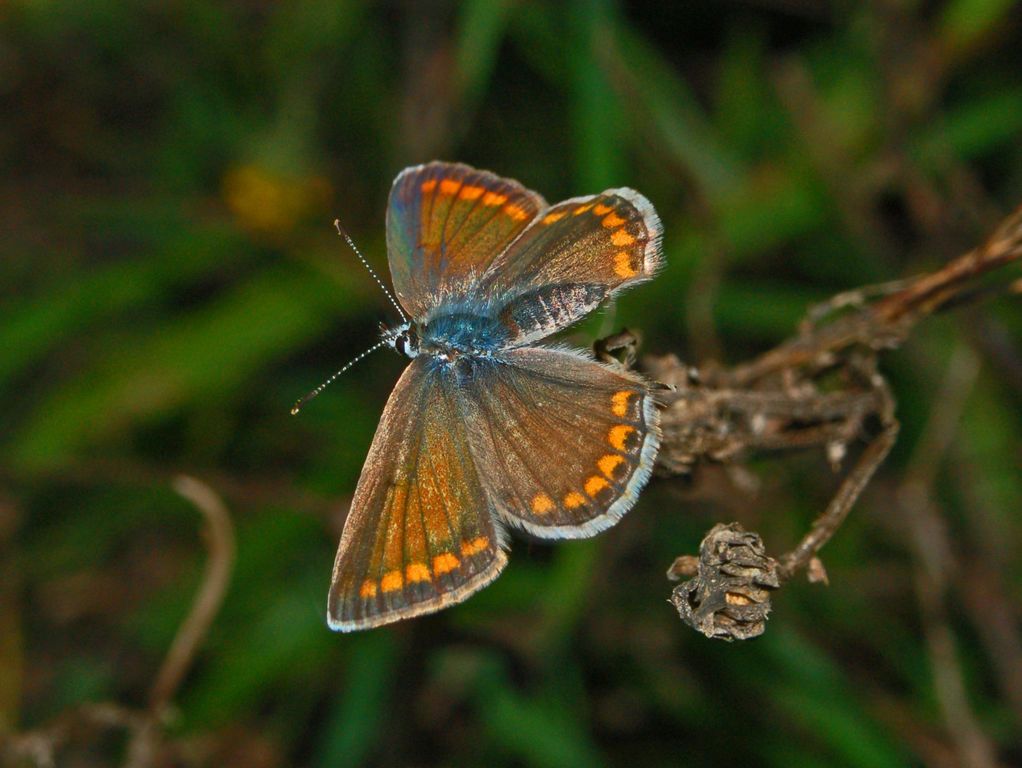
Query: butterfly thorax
450,336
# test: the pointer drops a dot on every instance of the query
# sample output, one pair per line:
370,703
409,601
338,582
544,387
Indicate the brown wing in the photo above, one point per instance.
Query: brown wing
572,257
446,223
567,442
420,535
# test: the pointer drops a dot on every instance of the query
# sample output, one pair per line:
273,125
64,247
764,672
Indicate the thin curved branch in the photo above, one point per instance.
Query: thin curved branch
219,537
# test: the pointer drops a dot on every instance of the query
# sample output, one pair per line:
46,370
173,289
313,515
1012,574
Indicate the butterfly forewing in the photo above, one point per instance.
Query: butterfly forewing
572,257
446,223
420,535
567,442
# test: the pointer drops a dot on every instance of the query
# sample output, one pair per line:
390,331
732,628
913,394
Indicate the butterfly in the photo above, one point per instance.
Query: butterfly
485,429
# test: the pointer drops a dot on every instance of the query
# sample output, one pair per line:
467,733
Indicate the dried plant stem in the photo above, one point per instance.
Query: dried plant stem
823,388
219,535
143,746
828,523
887,322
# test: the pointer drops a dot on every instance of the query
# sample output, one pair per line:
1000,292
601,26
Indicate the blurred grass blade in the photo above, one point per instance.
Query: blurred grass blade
203,355
811,690
539,732
595,109
973,130
31,327
963,23
481,28
358,714
679,122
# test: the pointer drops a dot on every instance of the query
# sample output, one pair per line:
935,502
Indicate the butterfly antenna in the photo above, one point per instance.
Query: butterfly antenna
302,403
351,243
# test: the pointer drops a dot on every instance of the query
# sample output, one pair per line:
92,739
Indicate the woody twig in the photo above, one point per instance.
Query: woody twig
822,388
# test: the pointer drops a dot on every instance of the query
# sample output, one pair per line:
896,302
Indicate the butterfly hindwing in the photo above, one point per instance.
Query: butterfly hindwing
567,442
420,535
446,223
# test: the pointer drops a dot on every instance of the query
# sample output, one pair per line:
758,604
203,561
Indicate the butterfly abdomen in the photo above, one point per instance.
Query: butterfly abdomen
541,312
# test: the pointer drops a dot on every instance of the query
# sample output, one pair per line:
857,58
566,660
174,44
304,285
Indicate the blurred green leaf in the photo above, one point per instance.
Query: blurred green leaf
359,711
964,22
33,326
746,114
814,695
975,129
680,123
567,593
283,644
482,25
200,356
540,731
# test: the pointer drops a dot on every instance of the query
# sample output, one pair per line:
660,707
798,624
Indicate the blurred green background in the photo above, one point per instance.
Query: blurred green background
170,282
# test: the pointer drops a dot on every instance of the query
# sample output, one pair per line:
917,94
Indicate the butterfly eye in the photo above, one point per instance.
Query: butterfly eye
407,343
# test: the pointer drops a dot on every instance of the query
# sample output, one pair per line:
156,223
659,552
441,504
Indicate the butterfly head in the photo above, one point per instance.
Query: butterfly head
403,338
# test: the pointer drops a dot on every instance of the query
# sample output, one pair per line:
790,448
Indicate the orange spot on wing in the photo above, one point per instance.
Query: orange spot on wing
428,186
492,198
612,220
449,187
417,572
595,484
516,213
574,500
602,210
608,464
619,402
391,581
618,436
368,589
620,237
471,193
541,504
550,218
582,209
445,562
623,265
475,546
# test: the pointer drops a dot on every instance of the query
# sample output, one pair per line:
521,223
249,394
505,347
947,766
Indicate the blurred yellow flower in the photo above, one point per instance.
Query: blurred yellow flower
269,203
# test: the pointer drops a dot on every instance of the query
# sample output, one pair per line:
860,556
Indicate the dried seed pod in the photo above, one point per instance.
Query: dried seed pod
730,597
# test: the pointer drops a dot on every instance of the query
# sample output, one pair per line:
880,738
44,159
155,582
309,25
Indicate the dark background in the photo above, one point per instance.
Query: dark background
170,282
